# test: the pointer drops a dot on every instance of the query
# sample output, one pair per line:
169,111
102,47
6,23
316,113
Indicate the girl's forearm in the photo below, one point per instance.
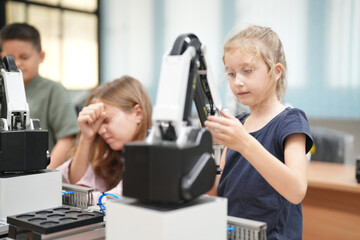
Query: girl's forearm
81,160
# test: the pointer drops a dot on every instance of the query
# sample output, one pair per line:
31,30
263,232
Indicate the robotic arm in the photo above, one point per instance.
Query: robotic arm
177,162
185,76
23,146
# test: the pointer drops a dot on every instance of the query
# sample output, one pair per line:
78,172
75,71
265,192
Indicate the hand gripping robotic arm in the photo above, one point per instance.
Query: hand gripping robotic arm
23,146
176,162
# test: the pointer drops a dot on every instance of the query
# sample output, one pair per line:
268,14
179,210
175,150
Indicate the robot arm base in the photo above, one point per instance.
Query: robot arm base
24,150
167,173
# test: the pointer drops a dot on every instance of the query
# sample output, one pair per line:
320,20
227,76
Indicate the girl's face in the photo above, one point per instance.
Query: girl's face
248,77
119,127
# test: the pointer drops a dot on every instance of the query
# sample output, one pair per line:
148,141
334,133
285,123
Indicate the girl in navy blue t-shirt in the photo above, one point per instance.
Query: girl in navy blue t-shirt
264,163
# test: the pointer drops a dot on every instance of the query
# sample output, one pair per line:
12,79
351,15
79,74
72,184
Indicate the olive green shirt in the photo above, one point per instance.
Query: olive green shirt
50,102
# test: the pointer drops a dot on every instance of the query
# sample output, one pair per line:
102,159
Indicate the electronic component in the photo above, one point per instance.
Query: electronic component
77,196
357,170
245,229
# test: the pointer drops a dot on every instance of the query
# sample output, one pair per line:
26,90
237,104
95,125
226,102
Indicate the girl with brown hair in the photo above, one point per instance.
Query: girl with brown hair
116,113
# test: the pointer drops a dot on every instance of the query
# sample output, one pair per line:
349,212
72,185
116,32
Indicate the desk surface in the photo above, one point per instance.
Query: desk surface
333,176
331,207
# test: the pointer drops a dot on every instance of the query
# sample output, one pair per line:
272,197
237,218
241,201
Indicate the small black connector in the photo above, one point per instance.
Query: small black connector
357,169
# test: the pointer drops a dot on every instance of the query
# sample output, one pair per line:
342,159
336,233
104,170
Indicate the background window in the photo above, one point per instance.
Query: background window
69,37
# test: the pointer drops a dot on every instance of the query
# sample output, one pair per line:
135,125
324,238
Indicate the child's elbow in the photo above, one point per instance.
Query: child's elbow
297,200
298,196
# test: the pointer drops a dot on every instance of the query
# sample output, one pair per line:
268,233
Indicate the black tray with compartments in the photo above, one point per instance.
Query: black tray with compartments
53,220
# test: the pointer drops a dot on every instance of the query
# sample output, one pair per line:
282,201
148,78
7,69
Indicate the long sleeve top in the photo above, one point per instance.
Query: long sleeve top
89,179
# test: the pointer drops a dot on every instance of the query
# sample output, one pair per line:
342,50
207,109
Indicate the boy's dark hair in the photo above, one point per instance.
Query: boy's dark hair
21,31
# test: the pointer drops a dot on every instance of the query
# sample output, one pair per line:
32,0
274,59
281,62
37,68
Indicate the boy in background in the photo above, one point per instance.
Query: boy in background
48,101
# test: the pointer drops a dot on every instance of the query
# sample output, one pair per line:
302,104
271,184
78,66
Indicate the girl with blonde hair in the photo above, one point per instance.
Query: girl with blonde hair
264,165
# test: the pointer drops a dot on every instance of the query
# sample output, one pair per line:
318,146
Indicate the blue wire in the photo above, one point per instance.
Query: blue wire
65,193
101,208
101,205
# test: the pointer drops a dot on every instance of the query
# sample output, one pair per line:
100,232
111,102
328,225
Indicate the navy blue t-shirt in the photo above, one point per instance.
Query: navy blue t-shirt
249,194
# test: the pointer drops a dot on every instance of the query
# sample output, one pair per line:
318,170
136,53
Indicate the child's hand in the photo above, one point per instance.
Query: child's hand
226,130
90,119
